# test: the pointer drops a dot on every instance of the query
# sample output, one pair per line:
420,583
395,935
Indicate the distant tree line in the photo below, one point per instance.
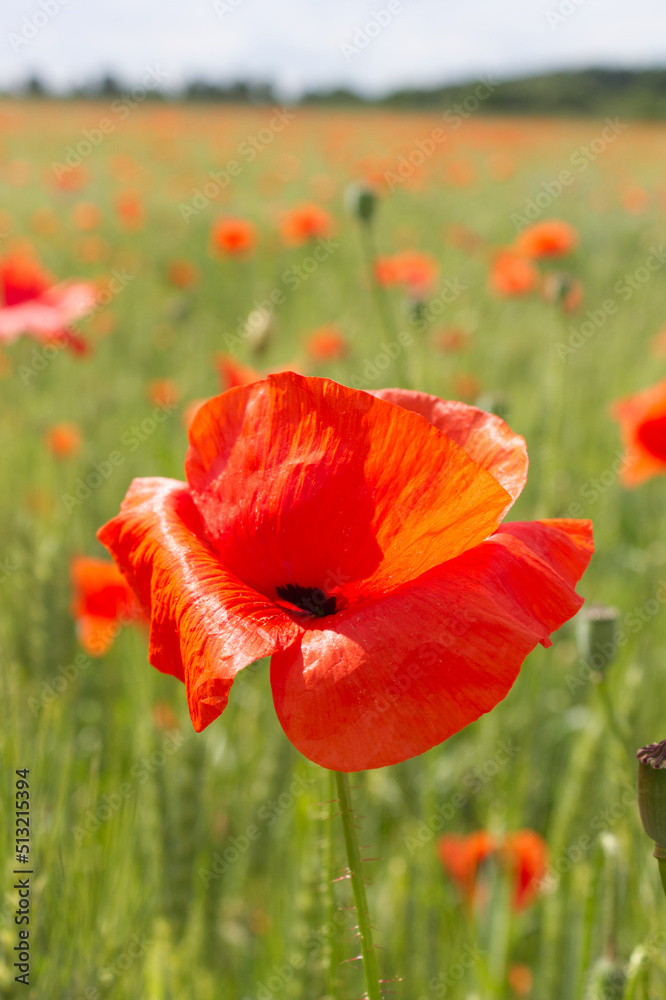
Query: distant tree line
630,93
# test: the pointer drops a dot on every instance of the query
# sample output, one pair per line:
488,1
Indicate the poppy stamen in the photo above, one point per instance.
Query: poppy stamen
310,599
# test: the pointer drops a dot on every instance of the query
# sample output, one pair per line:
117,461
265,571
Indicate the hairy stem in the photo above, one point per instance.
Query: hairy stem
354,863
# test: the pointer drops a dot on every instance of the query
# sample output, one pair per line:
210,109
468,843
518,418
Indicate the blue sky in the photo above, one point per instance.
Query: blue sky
311,44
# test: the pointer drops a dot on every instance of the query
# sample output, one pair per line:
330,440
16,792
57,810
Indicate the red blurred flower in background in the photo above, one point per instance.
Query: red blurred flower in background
550,238
101,603
130,211
642,419
233,237
411,270
523,854
304,223
512,274
354,538
32,303
328,343
63,440
182,273
233,373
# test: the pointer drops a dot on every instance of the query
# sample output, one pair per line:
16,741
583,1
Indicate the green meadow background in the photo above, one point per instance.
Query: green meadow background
175,866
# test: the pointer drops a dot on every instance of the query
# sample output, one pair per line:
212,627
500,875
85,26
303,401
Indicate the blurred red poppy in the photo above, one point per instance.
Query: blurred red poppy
642,419
328,343
63,440
523,854
415,272
86,215
101,603
31,303
512,274
550,238
130,210
233,237
356,539
233,373
182,273
163,392
305,222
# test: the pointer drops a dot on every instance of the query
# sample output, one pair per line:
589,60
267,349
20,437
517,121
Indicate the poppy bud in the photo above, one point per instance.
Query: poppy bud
361,202
596,635
608,979
563,290
652,798
258,329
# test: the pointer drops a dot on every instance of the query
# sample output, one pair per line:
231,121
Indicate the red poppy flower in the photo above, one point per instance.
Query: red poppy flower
87,215
234,237
163,392
182,273
328,343
130,210
512,274
305,222
355,538
550,238
31,303
414,272
101,602
63,440
233,373
523,854
642,419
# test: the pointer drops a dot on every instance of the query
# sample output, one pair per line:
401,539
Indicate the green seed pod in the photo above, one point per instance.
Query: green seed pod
596,635
608,980
652,794
361,202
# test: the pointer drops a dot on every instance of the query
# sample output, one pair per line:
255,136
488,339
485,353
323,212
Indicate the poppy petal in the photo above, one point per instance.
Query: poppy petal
393,677
485,437
48,315
206,625
306,482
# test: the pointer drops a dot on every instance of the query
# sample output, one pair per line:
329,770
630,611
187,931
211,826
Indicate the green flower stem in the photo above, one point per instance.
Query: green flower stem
662,872
382,302
354,863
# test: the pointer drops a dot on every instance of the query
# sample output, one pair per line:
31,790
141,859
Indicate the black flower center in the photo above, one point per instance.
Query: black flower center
310,599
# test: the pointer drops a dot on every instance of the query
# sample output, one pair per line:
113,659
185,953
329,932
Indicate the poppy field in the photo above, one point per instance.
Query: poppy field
288,265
